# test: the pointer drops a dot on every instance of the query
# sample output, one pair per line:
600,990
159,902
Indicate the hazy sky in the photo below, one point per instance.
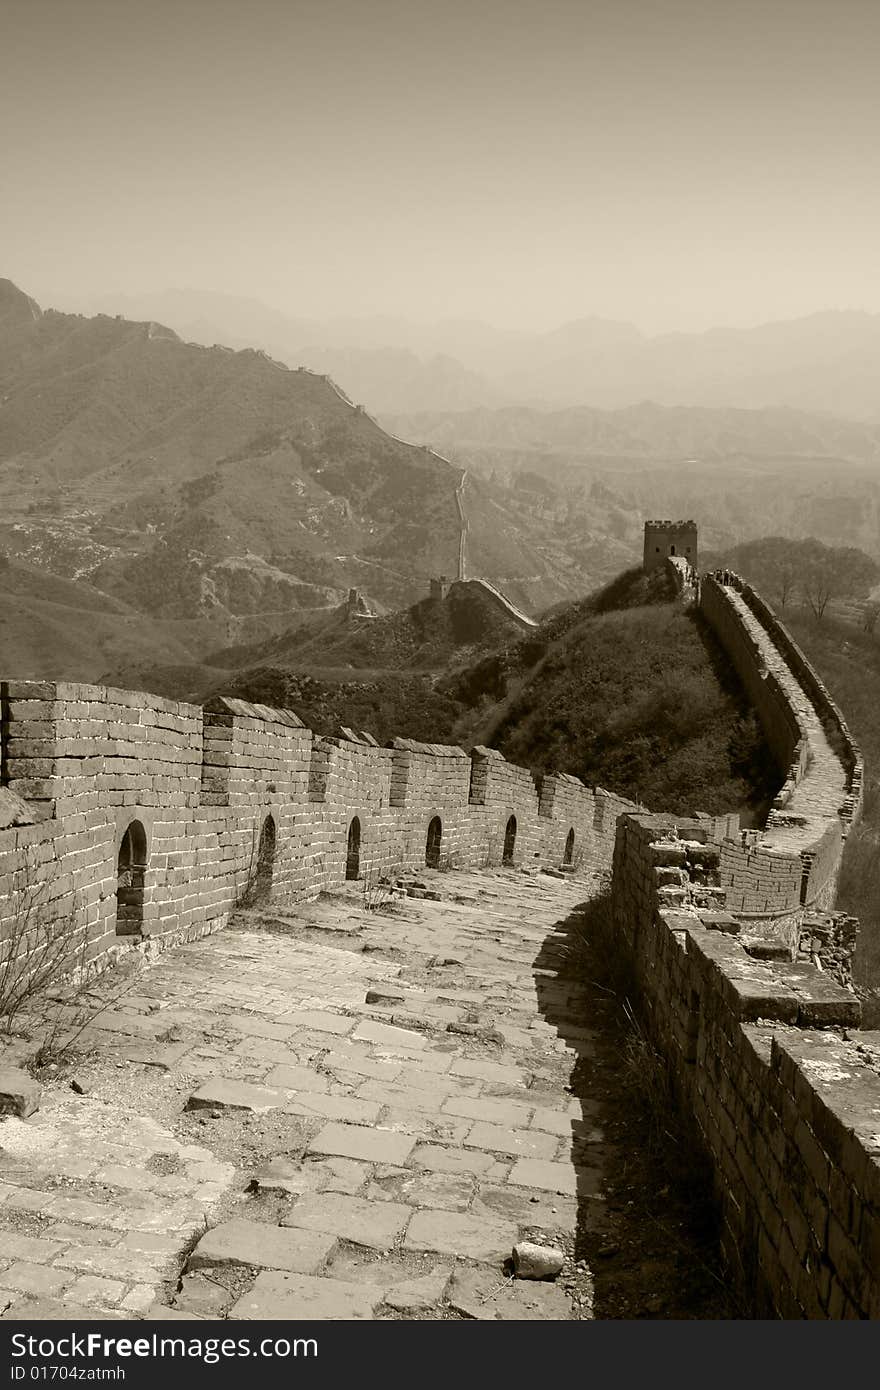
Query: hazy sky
675,162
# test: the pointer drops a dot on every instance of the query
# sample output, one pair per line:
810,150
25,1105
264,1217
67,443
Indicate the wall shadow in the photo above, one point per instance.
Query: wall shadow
647,1232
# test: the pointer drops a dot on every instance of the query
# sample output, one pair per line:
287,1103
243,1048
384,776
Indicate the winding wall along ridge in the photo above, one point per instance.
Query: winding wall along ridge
773,876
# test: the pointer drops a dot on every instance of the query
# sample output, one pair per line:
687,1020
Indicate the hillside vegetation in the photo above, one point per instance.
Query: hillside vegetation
804,572
426,636
57,629
636,696
625,689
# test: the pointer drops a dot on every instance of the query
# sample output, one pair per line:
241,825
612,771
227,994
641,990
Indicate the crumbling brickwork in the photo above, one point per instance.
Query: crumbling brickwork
783,1095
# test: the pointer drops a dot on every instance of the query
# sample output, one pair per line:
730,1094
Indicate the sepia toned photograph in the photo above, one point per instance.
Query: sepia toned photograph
439,676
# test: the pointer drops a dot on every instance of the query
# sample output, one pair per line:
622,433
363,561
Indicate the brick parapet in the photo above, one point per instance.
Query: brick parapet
85,762
783,1095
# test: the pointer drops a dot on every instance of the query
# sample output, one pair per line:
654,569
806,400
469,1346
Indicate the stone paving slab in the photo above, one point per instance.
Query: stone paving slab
355,1141
369,1031
236,1095
357,1219
319,1022
242,1242
296,1078
496,1112
295,1298
494,1072
350,1108
41,1309
548,1177
447,1160
481,1294
417,1295
23,1277
448,1191
500,1139
485,1238
526,1206
428,1100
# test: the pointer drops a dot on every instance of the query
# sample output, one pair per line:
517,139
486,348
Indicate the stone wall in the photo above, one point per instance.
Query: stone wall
83,766
784,1097
685,579
773,876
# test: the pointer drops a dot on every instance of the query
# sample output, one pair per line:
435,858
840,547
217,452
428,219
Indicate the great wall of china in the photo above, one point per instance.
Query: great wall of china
147,820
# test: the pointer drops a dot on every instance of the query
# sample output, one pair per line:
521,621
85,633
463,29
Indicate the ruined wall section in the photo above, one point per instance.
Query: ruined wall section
607,810
784,1100
685,579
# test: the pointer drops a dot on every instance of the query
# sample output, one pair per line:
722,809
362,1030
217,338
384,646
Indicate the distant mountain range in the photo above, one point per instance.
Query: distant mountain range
204,483
825,362
219,493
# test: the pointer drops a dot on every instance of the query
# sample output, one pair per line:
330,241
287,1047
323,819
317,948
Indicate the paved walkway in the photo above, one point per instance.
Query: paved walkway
323,1111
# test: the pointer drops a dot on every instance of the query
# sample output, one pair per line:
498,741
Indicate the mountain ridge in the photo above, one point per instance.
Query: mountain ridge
227,491
831,357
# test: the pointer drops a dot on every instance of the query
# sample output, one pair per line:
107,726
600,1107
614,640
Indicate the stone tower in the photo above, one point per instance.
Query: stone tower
357,606
439,588
664,538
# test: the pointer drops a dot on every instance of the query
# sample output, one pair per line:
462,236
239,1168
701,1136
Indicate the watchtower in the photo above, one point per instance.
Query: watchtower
665,538
357,606
439,588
